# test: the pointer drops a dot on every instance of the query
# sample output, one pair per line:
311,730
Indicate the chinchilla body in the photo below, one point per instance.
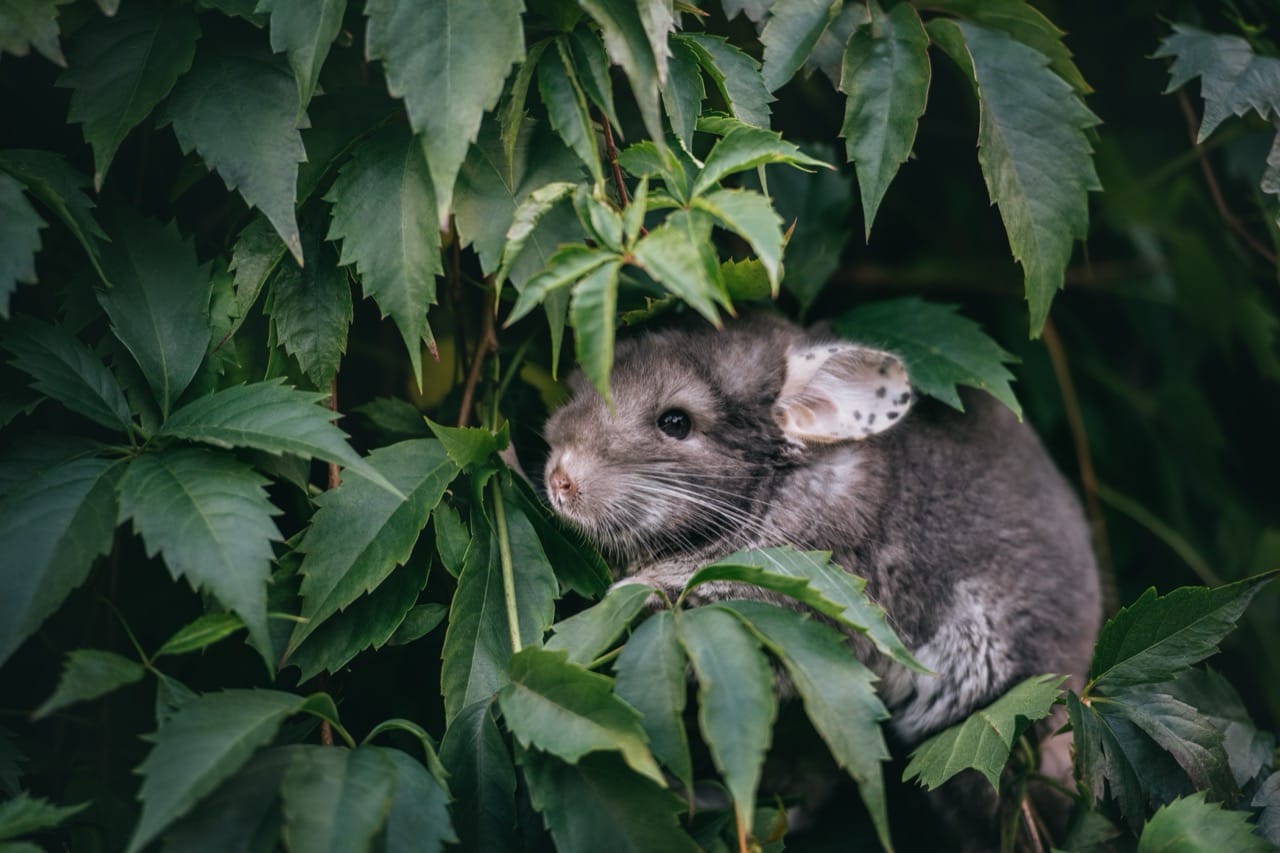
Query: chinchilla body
764,434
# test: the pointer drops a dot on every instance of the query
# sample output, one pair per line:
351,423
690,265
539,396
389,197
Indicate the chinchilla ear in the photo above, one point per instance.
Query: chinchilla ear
841,392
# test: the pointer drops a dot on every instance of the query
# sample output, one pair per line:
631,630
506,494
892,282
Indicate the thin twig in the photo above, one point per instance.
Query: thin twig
1029,820
486,343
1088,476
611,153
1215,192
335,473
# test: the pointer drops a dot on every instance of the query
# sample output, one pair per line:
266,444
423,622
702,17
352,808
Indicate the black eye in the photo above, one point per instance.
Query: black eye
675,423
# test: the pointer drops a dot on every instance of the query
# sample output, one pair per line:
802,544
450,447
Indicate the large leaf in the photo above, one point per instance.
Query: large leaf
1035,154
1191,825
534,579
19,240
419,818
750,215
1213,697
477,644
312,309
1157,637
121,67
984,740
651,679
1190,738
256,254
1233,80
735,74
940,348
736,705
793,29
587,634
158,303
61,189
838,693
238,111
25,24
745,147
628,43
482,779
384,211
577,564
305,29
684,92
592,313
679,255
596,804
88,674
561,708
243,813
68,371
566,105
207,514
335,799
204,742
361,532
448,60
53,526
886,78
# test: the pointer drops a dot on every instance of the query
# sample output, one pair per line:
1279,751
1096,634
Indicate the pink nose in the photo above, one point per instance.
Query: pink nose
562,487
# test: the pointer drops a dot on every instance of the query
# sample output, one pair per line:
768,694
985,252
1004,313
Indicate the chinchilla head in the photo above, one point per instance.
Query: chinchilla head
707,427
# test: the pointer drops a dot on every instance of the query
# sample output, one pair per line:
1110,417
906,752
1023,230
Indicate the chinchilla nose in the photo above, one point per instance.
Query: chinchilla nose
562,486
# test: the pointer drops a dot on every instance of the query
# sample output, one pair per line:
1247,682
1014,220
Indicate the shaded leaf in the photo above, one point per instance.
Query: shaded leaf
243,813
477,644
1214,699
750,215
61,189
628,42
588,634
577,564
592,312
200,634
566,105
88,674
25,24
684,91
481,778
312,310
305,29
679,255
651,679
452,537
525,220
257,252
421,620
19,240
1191,824
534,579
592,66
419,818
68,371
735,74
335,799
1190,738
25,814
567,266
1268,799
1233,80
790,34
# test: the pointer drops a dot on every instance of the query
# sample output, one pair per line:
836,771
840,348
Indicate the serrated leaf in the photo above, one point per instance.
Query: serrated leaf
651,679
481,778
1233,80
790,35
592,313
243,813
68,371
204,742
361,532
61,189
200,634
257,252
384,211
567,266
984,740
684,92
53,525
238,112
1190,738
736,704
735,74
451,535
306,30
25,814
207,514
19,240
525,219
750,215
587,634
469,446
746,280
627,41
941,349
1157,637
335,799
679,255
1268,799
569,711
448,60
535,588
886,78
312,310
25,24
745,147
577,564
566,105
592,67
421,620
120,68
1035,156
827,55
88,674
158,303
586,806
838,693
1212,696
1191,825
419,818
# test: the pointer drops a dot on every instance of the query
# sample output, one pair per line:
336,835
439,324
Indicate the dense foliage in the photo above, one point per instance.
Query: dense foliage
262,584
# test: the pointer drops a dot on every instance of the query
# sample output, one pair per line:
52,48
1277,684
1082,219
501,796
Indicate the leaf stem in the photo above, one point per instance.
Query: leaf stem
508,573
611,153
487,341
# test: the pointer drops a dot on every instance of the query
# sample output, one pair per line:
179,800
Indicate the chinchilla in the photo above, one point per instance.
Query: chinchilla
765,434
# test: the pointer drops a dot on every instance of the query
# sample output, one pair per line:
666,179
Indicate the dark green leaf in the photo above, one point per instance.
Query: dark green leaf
335,799
452,537
419,818
684,92
53,525
305,29
566,105
941,348
750,215
238,111
735,74
1191,825
88,674
567,266
25,814
629,43
61,189
477,644
256,254
448,60
25,24
481,778
1190,738
1233,80
592,313
1268,799
679,255
525,220
19,240
587,634
745,147
793,29
592,67
207,515
535,587
469,446
651,679
312,310
242,814
1214,699
395,416
421,620
120,68
200,634
577,564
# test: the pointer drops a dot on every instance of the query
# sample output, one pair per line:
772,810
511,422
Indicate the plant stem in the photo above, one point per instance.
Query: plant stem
1166,534
611,154
508,572
487,341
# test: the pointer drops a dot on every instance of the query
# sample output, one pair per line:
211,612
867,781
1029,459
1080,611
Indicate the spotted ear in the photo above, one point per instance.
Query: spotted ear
841,392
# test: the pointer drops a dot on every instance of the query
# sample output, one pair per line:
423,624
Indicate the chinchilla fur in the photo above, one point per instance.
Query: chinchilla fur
967,535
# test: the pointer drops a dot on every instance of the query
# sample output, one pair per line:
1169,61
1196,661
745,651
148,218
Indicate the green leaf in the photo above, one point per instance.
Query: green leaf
1190,825
750,215
395,416
207,514
452,537
596,804
1233,80
238,112
158,303
53,525
568,711
566,105
567,266
838,693
477,644
1035,155
1268,799
886,76
736,705
1157,637
577,564
525,220
630,44
419,818
984,740
243,813
25,814
1213,697
651,679
790,35
361,532
592,313
120,68
1190,738
384,211
536,589
205,741
1110,751
810,577
88,674
335,799
19,240
736,75
68,371
306,30
421,620
25,24
448,60
481,778
61,189
592,67
257,252
941,348
311,307
680,256
469,446
745,147
684,92
200,634
587,634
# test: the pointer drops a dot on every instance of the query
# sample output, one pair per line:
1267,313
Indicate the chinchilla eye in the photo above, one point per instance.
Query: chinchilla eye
675,423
